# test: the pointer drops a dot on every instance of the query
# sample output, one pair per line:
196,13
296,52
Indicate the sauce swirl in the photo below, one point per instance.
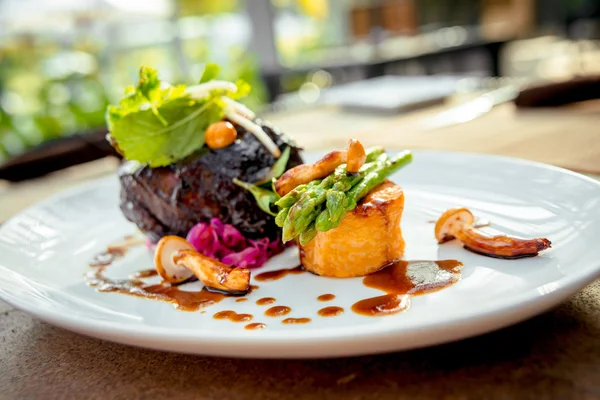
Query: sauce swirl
115,251
278,274
415,277
185,301
145,273
403,279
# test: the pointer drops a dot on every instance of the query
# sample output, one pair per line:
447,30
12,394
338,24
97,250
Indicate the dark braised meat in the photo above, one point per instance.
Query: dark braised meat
170,200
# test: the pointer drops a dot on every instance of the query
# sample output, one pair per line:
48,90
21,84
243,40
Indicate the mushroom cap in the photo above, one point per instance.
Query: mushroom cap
451,219
166,267
356,156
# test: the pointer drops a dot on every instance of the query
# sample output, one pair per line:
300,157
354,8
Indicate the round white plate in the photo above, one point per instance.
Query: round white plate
45,250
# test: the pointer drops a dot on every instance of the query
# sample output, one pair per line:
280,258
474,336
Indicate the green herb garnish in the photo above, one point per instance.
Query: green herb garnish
265,198
157,124
277,169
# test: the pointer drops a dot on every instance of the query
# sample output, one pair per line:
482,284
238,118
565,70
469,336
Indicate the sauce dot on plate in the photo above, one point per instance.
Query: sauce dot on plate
255,326
331,311
278,311
296,321
265,301
326,297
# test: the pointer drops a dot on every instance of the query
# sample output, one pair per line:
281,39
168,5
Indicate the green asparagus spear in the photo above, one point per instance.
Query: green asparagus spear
299,219
292,197
373,153
303,211
334,211
289,199
339,203
375,178
308,235
281,216
322,220
336,202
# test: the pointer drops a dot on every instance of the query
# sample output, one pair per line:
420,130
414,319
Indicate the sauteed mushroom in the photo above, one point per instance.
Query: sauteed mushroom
457,223
305,173
356,156
176,261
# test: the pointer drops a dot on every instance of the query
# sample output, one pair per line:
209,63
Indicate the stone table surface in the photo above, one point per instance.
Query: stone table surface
555,355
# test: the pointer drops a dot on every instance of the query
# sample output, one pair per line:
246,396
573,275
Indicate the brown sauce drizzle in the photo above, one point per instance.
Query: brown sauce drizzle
135,286
146,273
233,316
332,311
107,257
265,301
403,279
115,251
326,297
382,305
415,277
241,300
296,321
185,301
255,326
278,311
400,281
278,274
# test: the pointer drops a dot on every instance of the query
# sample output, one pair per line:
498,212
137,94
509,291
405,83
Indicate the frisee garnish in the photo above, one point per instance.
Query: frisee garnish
157,124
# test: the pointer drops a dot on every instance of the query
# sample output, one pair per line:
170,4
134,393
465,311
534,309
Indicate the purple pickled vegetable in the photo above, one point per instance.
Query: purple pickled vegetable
226,244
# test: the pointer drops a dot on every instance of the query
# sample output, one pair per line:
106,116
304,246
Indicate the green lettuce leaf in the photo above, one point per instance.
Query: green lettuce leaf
157,124
211,71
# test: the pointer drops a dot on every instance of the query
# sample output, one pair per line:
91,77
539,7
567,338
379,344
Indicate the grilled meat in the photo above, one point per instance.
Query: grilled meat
170,200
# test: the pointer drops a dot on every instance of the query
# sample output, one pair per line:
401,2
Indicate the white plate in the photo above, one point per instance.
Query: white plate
44,253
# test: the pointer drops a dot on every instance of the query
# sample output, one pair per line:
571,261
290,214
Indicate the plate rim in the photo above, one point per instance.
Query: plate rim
566,286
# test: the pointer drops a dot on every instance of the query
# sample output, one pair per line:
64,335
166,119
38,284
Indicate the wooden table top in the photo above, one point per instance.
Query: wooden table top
553,356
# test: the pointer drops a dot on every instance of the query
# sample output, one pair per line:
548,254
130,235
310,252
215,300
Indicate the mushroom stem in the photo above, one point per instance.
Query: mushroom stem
500,245
458,224
213,273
